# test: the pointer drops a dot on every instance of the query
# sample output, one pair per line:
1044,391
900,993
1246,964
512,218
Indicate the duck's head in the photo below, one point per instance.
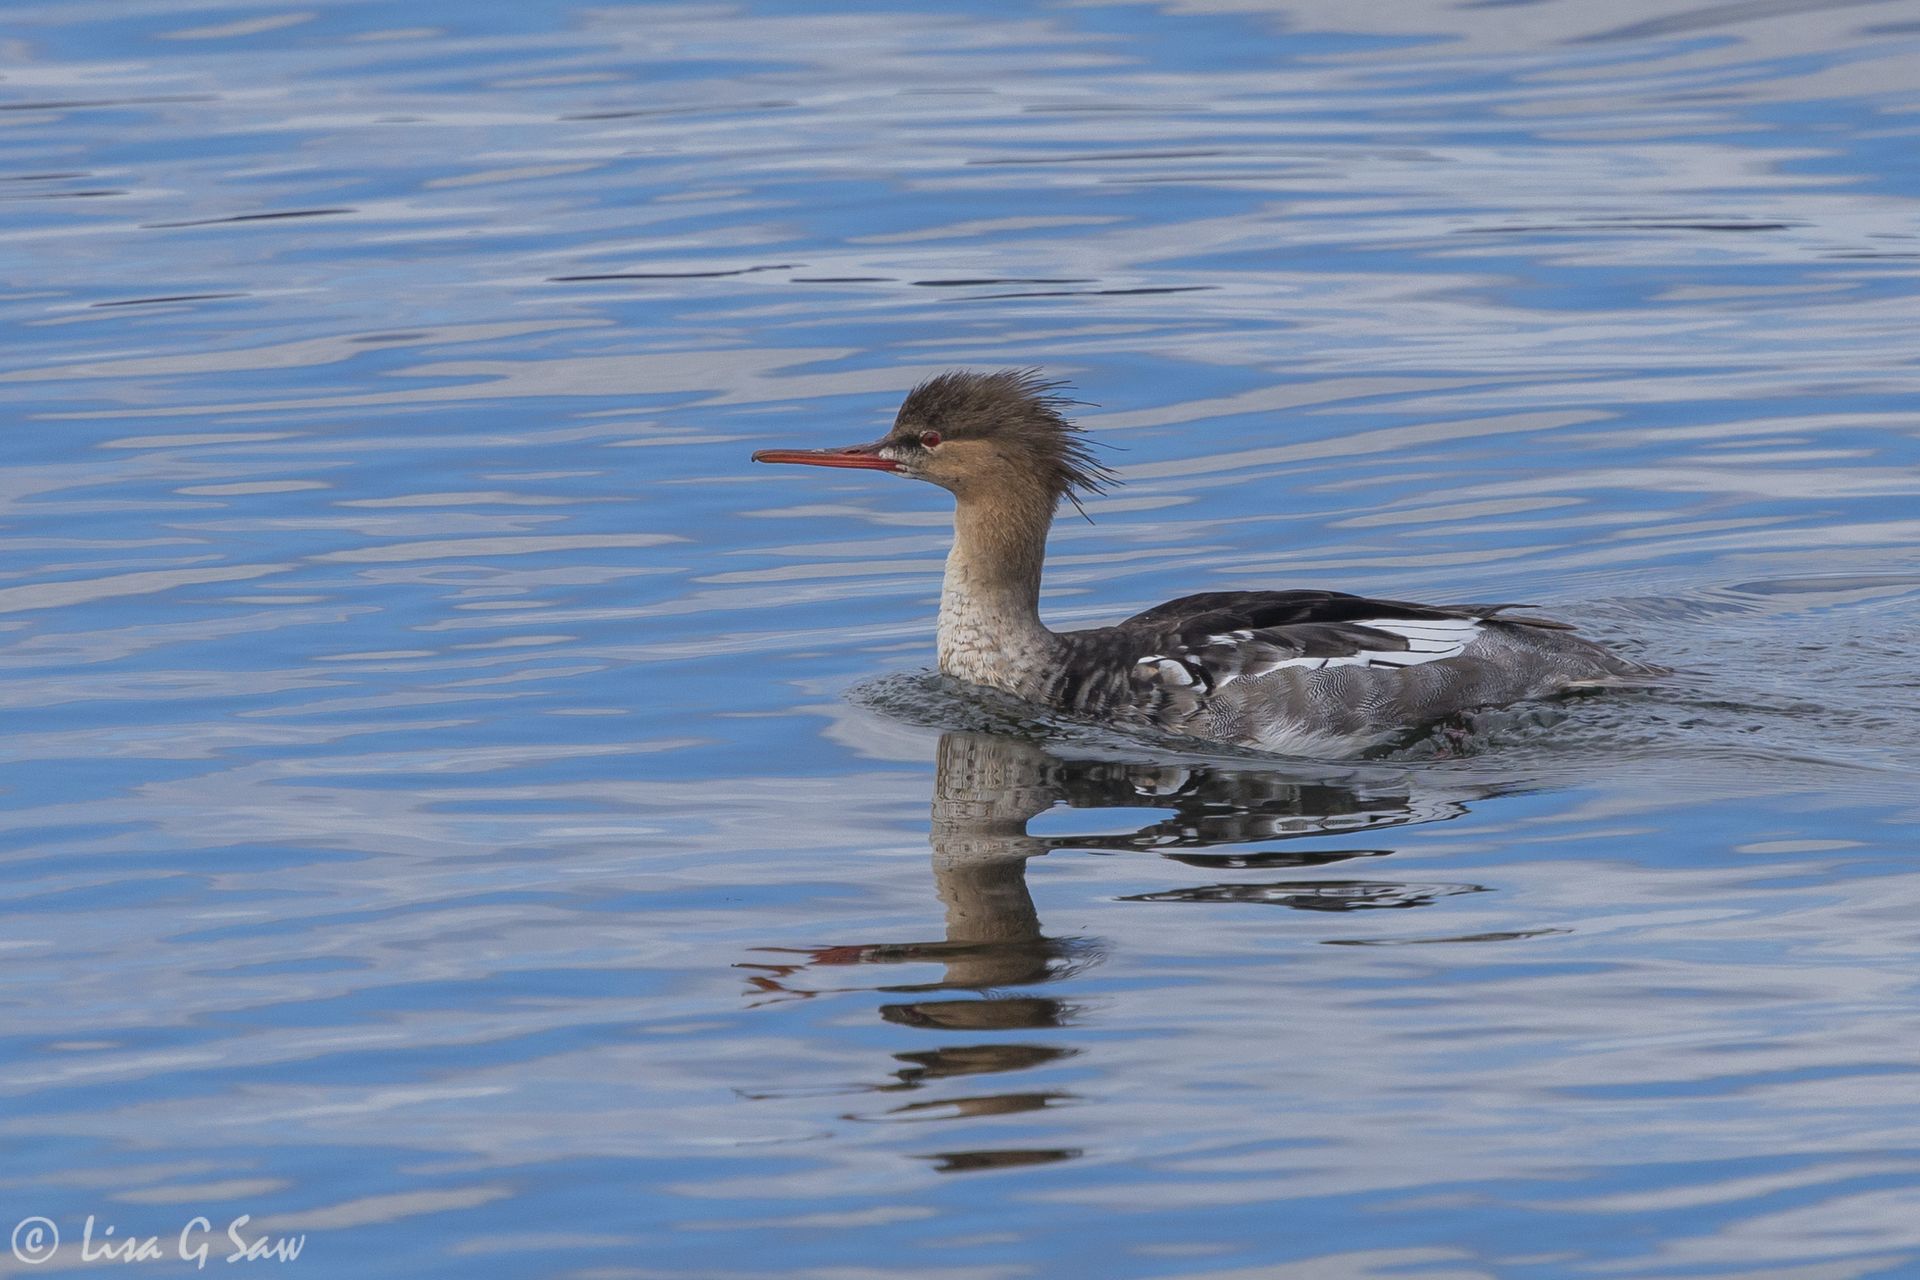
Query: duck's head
983,436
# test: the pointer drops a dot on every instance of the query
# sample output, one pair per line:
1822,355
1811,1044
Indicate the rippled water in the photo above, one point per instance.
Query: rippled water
455,809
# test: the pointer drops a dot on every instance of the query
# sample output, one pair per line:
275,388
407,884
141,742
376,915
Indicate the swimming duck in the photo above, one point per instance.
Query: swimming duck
1298,672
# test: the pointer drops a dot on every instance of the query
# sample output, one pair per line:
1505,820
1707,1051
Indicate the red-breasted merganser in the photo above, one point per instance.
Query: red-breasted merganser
1303,672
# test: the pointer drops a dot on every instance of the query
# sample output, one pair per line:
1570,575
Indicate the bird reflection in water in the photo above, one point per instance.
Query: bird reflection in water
987,788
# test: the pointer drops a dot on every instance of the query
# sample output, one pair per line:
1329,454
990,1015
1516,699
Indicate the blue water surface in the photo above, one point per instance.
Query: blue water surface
459,814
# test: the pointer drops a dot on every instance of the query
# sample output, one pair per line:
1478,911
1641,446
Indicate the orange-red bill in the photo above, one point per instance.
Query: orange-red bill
866,456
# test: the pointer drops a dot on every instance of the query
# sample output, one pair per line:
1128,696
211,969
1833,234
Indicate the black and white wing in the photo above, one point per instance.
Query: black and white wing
1188,650
1319,671
1212,639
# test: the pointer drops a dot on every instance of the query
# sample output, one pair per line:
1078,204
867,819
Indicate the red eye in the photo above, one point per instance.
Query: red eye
928,439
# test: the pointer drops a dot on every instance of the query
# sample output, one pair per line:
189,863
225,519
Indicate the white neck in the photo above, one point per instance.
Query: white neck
990,628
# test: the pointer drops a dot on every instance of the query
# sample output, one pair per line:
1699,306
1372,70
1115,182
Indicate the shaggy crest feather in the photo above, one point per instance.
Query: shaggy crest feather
1015,407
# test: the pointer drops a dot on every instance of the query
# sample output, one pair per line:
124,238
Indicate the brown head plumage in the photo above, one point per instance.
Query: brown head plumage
998,438
1013,416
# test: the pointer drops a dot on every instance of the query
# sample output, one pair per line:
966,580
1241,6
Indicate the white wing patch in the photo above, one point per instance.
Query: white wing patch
1166,668
1428,640
1219,660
